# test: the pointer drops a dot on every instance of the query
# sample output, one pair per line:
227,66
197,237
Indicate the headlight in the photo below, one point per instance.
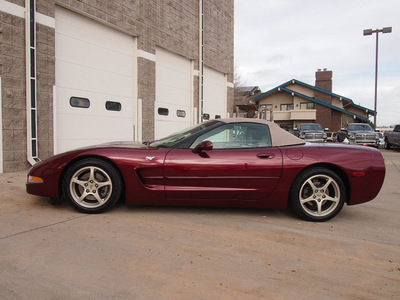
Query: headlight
325,136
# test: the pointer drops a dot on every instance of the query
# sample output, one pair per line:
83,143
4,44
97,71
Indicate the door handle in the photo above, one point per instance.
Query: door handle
265,155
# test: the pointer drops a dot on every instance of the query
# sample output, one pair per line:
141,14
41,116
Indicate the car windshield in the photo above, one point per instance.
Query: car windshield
310,127
173,139
359,127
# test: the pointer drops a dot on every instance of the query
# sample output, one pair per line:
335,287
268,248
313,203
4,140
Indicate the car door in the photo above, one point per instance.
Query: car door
241,166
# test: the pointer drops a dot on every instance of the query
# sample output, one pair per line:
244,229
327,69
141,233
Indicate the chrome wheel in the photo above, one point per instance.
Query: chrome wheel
319,195
90,187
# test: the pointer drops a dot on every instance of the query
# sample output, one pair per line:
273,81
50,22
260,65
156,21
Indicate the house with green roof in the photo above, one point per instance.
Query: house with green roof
295,102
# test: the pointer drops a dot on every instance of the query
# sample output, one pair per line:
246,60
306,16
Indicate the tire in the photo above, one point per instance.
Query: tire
387,144
92,185
340,137
317,195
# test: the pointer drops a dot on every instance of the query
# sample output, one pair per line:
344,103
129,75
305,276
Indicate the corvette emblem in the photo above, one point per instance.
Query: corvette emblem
149,157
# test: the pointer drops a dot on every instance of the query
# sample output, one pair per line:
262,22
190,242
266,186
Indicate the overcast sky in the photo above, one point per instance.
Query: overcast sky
280,40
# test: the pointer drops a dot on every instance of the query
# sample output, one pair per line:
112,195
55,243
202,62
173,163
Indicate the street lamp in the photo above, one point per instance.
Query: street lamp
370,32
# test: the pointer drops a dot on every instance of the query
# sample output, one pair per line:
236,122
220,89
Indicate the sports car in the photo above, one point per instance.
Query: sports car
226,162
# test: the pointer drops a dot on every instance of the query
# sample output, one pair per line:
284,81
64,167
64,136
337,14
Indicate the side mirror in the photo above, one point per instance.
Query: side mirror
203,146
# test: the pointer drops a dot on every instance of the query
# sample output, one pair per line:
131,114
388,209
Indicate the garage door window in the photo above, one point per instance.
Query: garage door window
181,113
79,102
114,106
163,111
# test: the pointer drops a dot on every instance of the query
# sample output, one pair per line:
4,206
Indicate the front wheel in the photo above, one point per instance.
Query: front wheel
92,185
317,195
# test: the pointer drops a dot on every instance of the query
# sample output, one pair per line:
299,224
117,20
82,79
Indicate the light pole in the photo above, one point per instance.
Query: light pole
370,32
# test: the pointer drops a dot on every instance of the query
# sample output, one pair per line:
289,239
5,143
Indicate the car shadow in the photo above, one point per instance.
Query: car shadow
197,210
120,207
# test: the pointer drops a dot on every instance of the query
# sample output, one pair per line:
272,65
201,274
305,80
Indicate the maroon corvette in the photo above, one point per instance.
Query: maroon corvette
225,162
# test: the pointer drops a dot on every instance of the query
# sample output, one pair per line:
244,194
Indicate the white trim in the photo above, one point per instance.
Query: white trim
55,133
46,20
192,99
226,96
1,131
137,121
230,84
146,55
12,9
19,11
139,127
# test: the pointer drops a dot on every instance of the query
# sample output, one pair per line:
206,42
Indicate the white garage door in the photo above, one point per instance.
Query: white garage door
94,83
173,107
215,94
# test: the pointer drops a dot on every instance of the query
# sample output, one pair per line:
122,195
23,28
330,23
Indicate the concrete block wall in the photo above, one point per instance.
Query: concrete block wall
12,73
169,24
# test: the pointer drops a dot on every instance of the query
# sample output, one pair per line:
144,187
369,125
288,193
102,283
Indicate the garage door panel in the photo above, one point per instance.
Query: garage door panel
97,103
87,79
172,122
93,56
80,128
173,95
87,30
182,77
171,60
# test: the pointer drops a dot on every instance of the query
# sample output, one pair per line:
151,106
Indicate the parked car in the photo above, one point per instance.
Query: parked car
312,132
359,134
392,138
381,142
331,137
225,162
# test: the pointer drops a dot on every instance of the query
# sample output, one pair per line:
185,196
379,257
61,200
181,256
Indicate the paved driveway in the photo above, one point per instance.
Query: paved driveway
54,252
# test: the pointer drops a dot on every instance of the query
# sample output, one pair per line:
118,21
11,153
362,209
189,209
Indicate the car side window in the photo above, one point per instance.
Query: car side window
237,136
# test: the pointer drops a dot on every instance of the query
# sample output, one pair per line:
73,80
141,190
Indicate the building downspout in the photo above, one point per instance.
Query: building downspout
1,129
31,84
201,60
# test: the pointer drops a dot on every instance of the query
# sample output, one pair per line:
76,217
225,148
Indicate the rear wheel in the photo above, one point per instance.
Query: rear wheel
317,194
92,185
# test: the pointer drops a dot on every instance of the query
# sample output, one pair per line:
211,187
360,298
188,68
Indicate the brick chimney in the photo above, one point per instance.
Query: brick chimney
323,79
